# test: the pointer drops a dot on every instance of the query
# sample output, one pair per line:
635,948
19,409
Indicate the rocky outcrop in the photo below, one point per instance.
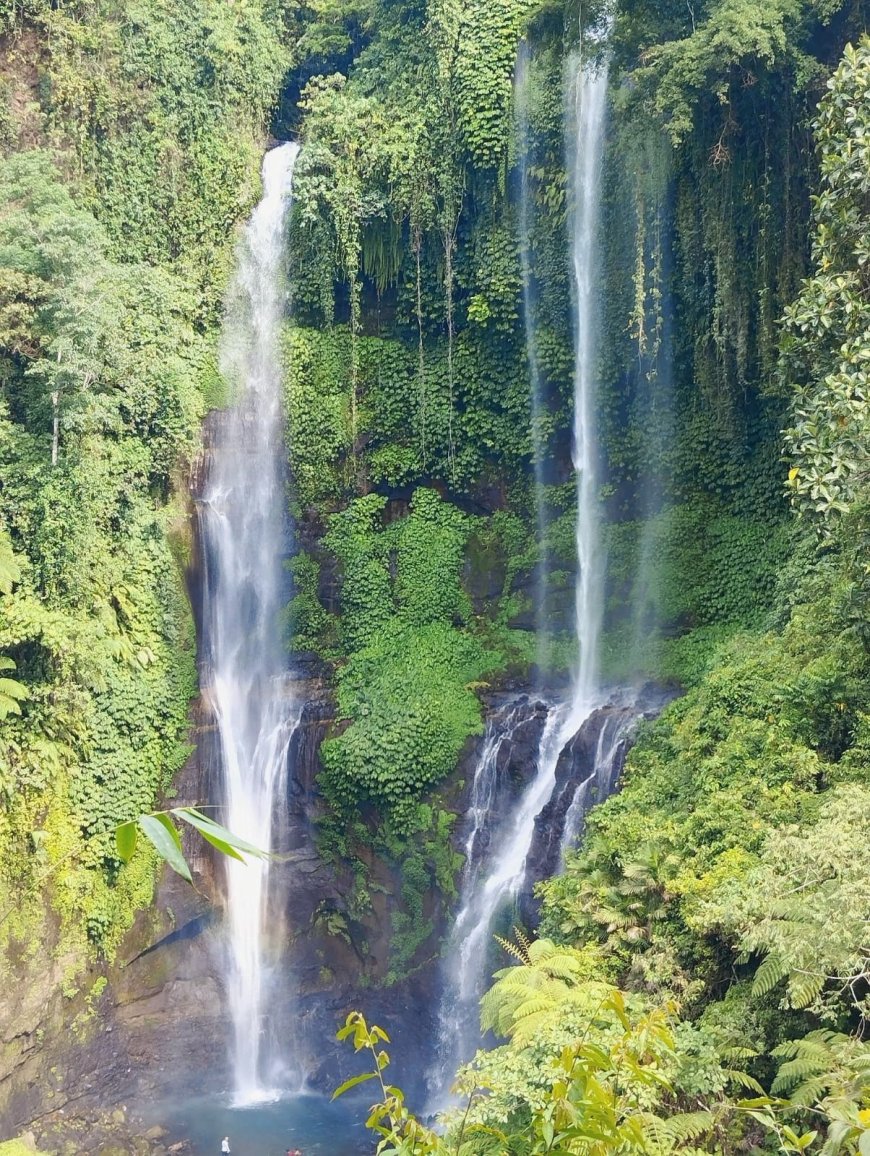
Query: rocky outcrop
587,772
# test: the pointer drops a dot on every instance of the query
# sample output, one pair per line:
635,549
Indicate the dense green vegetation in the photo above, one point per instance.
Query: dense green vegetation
701,983
131,135
724,890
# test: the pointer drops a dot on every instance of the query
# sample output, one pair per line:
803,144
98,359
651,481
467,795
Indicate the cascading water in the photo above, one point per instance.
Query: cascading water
538,408
590,104
487,893
246,541
482,894
613,739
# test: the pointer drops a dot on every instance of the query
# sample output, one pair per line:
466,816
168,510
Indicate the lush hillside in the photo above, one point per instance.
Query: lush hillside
701,980
131,139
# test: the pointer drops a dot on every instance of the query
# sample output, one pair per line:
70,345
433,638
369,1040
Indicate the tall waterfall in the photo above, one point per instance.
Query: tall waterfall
487,893
537,407
590,105
246,540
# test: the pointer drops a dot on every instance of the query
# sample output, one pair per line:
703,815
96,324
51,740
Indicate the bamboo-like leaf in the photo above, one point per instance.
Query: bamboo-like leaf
353,1082
215,833
159,831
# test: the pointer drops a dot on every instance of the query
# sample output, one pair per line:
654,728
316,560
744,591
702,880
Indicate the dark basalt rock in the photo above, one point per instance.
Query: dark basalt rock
587,772
577,765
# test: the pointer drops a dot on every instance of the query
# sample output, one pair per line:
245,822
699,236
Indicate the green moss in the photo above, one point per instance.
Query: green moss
407,685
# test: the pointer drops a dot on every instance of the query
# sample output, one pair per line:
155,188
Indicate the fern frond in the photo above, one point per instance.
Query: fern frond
804,989
743,1080
737,1052
795,1072
689,1125
810,1091
523,940
771,971
513,949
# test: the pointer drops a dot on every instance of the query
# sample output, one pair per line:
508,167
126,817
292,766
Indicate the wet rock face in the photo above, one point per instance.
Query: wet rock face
587,772
579,763
522,720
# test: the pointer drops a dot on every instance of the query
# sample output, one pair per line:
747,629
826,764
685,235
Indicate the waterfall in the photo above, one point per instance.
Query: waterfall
486,893
610,751
483,894
537,406
246,540
590,105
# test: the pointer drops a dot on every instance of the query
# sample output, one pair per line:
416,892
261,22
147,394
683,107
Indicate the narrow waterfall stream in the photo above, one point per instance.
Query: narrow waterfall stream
537,404
494,872
610,751
489,888
589,117
246,540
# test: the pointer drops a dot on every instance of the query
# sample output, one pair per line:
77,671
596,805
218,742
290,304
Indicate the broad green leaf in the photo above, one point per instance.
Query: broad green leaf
353,1082
222,846
212,831
125,841
158,829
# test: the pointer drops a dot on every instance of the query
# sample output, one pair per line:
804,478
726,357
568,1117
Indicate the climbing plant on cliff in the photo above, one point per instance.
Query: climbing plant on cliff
826,349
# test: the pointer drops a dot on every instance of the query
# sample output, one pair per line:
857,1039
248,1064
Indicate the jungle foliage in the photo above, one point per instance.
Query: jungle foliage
729,878
718,906
701,981
130,139
409,356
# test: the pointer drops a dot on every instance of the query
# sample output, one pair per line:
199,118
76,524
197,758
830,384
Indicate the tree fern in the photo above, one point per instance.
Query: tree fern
10,571
769,974
12,692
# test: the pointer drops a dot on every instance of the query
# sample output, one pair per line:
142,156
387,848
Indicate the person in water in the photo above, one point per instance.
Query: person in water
225,1145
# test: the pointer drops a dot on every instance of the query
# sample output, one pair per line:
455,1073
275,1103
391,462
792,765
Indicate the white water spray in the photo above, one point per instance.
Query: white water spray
246,541
590,105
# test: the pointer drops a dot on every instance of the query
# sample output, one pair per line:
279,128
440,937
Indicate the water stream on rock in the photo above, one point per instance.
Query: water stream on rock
610,751
246,540
494,873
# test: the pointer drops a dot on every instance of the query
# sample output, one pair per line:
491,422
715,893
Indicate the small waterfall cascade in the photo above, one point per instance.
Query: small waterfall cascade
536,398
246,540
494,872
610,751
484,789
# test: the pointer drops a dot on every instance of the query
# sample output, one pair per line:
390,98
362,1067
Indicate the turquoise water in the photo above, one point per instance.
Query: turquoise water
310,1123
